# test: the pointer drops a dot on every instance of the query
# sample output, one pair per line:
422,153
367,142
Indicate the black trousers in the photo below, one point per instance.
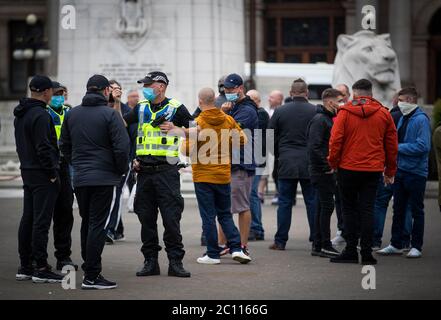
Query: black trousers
115,223
63,216
160,191
95,204
358,191
40,195
325,186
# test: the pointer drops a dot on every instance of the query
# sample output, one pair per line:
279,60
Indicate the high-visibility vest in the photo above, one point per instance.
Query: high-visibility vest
57,119
150,140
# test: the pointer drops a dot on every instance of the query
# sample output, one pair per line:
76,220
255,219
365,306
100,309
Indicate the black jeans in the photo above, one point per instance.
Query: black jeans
63,216
40,195
358,191
95,204
160,190
325,186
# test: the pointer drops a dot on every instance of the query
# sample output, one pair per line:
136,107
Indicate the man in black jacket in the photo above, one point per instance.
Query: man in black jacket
322,176
94,139
290,123
38,153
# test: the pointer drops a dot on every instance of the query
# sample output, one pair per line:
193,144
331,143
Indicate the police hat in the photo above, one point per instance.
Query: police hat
155,76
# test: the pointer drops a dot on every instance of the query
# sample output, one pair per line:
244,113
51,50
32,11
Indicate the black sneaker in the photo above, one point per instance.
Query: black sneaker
66,262
46,275
110,238
119,237
150,268
100,283
346,257
316,251
368,259
329,252
24,274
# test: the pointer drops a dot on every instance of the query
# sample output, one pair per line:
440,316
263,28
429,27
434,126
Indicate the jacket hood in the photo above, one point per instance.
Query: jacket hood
322,109
26,104
363,110
92,99
247,101
213,117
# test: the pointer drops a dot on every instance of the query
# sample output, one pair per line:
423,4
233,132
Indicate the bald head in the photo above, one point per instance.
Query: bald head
275,99
299,88
345,90
255,96
206,98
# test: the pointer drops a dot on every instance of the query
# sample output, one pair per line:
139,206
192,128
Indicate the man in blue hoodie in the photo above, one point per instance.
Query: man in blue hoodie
243,109
410,181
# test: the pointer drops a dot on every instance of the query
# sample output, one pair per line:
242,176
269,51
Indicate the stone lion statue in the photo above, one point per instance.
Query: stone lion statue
369,56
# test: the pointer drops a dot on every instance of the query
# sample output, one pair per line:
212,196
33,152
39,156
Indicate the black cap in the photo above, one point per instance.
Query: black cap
155,76
57,86
232,81
97,82
40,83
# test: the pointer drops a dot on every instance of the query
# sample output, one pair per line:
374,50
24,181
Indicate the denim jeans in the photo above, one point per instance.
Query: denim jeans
256,208
325,190
409,190
384,194
287,190
214,200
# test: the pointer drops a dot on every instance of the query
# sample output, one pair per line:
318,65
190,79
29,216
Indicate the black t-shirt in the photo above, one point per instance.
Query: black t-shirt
182,118
403,128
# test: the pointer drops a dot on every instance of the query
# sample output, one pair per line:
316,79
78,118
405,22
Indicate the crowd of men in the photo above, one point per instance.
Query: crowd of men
349,154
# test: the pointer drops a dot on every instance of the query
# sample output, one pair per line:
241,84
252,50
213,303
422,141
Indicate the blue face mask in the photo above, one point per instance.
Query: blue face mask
232,97
149,94
57,102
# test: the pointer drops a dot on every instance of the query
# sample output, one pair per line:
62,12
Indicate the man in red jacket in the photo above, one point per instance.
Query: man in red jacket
363,145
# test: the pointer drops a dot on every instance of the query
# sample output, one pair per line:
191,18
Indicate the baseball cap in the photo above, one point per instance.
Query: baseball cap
155,76
57,86
97,82
40,83
233,80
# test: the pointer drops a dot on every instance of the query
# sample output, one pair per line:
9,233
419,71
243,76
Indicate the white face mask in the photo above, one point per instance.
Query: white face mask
406,107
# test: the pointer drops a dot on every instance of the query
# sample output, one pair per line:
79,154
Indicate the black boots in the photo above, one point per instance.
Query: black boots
176,269
150,268
346,257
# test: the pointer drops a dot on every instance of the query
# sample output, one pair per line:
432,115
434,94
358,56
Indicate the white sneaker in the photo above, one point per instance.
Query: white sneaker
390,250
241,257
207,260
338,239
375,249
414,253
407,249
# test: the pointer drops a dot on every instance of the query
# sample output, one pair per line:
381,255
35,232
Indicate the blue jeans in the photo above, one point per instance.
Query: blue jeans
287,190
256,208
409,190
214,200
384,194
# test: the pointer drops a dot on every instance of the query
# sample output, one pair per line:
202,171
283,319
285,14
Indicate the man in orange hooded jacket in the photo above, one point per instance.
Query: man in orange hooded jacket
363,145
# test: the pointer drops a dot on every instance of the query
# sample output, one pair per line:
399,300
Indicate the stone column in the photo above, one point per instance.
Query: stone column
349,5
419,64
400,28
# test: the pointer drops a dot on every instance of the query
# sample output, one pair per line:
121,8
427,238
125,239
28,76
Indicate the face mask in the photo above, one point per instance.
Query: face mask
149,94
232,97
406,108
57,102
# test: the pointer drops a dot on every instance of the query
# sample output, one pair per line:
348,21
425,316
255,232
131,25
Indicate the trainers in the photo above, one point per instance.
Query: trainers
414,254
24,274
329,252
275,201
66,262
224,250
119,237
338,240
315,251
346,257
245,250
110,238
390,250
207,260
100,283
368,259
241,257
376,248
407,248
275,246
45,275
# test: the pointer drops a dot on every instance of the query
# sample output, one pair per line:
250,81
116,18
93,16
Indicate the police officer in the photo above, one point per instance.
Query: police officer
158,185
37,150
63,213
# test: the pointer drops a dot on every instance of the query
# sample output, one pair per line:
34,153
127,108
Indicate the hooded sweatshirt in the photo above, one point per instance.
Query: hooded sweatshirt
364,138
35,137
211,153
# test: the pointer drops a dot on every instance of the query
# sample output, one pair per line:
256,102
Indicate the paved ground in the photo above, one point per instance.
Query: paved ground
292,274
